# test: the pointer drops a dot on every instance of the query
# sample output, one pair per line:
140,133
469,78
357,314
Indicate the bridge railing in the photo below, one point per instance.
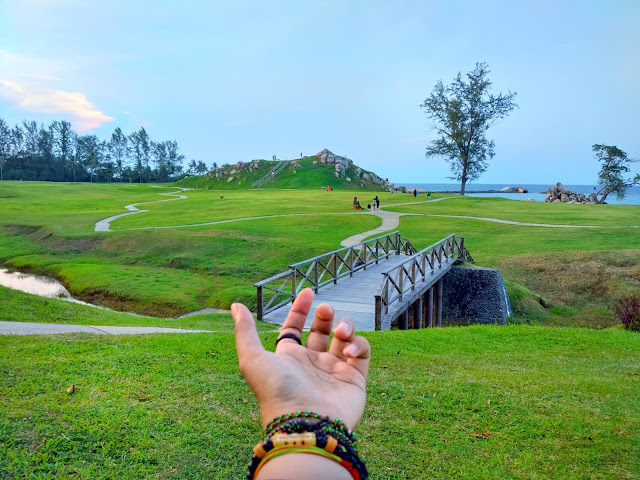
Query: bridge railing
317,272
403,278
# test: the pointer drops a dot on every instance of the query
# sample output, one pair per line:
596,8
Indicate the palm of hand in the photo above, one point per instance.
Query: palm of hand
297,376
327,376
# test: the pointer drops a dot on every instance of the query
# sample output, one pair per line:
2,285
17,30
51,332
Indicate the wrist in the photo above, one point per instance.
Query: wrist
289,467
310,434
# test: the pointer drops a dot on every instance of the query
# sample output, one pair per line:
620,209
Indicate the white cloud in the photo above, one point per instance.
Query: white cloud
85,116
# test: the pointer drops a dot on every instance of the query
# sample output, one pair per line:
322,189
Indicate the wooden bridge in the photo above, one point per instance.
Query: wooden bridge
374,283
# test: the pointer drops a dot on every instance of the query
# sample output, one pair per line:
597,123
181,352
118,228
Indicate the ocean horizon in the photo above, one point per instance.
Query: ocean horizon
632,196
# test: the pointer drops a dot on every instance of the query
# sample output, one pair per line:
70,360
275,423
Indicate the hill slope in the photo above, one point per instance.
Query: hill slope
316,171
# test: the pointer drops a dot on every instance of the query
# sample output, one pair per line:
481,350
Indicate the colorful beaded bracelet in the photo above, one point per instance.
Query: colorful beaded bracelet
308,432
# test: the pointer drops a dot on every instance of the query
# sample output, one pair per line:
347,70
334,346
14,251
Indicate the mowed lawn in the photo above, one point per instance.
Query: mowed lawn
469,402
49,228
521,401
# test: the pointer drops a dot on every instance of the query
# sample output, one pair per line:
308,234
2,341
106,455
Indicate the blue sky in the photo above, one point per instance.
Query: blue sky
239,80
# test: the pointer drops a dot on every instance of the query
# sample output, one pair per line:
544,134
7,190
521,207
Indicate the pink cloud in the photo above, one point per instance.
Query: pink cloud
85,116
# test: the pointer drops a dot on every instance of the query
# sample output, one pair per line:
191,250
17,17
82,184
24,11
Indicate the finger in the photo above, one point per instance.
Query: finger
318,339
248,344
343,335
294,323
358,355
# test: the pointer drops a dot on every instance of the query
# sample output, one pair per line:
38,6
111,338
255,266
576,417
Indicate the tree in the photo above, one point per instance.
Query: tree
611,176
118,149
461,114
174,159
5,144
63,142
91,151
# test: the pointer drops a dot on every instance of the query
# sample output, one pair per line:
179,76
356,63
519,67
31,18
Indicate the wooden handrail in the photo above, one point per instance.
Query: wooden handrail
403,278
325,269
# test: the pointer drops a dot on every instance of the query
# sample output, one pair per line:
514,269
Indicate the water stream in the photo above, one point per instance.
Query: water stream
38,285
51,288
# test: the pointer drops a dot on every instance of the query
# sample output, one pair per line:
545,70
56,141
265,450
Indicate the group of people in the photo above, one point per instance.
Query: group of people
375,202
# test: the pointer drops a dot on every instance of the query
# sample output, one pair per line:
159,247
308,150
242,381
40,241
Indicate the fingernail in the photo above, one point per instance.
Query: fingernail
344,326
351,350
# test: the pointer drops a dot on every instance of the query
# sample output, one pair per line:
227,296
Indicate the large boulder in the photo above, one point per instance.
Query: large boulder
593,198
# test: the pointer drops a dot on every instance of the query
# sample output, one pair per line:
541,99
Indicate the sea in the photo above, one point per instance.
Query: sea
535,191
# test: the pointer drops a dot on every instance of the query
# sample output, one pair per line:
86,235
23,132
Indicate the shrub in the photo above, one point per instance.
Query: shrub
628,311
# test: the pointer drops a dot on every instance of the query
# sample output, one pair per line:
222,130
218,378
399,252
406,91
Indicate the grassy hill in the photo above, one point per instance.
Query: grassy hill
304,173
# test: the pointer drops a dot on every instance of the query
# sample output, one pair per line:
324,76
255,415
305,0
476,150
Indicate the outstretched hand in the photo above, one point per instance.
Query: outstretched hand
327,376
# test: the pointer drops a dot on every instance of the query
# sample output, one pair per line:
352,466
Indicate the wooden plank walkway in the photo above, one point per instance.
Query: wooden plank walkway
351,297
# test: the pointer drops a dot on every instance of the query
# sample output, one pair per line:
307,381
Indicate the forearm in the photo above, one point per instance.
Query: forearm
296,466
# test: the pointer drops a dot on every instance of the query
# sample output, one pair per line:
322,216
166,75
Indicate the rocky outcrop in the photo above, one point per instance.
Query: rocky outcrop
560,194
512,190
342,165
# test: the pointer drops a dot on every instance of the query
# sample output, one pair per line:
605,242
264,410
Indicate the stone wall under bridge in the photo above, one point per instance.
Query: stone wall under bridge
464,296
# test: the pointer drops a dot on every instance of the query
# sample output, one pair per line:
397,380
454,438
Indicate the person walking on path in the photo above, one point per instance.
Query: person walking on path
376,203
415,193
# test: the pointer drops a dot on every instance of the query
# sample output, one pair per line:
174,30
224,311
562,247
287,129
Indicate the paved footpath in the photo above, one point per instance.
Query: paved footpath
26,328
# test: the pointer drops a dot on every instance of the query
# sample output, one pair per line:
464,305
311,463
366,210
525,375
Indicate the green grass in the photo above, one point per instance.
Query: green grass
555,403
23,307
48,228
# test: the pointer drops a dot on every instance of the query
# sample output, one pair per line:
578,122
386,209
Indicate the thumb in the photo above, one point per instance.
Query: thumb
248,343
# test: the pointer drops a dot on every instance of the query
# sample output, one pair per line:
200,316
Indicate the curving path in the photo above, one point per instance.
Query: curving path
390,220
105,225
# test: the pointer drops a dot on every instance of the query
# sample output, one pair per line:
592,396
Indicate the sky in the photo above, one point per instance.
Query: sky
240,80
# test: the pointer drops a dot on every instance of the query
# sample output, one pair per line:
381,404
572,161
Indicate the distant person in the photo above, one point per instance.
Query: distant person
415,193
356,204
376,203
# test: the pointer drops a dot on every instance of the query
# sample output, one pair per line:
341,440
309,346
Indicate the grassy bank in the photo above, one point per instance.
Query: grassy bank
521,401
474,402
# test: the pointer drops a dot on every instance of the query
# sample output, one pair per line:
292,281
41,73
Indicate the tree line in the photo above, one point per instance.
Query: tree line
56,153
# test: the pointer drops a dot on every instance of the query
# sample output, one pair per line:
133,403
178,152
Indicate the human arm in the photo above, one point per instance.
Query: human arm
327,376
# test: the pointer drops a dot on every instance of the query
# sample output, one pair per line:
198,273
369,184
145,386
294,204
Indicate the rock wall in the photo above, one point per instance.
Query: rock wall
475,295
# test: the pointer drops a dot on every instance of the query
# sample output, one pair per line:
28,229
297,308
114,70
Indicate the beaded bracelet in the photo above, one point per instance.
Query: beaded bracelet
308,432
298,422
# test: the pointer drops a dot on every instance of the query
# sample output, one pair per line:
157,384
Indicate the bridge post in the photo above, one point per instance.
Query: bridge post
419,310
378,314
413,275
377,251
294,294
397,243
315,277
429,321
260,305
335,268
439,290
403,320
